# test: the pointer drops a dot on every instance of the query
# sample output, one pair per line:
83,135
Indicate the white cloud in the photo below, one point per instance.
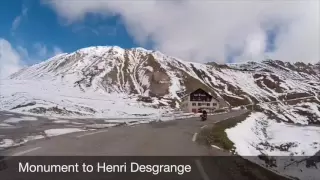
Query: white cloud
17,20
10,60
23,52
84,30
203,30
13,59
57,50
41,49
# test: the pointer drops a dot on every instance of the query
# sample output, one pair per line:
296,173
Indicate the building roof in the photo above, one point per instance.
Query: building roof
199,89
188,94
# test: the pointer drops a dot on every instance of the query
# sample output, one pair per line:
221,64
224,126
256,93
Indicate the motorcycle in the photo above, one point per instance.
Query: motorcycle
204,116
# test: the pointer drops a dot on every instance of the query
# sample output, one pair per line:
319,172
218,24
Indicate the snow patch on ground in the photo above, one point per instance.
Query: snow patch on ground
3,125
116,121
261,135
17,120
61,121
57,132
31,138
77,123
53,118
303,113
7,114
5,143
59,99
236,108
136,123
100,126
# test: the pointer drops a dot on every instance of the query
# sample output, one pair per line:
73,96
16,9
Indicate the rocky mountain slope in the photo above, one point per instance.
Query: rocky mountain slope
111,82
151,73
156,79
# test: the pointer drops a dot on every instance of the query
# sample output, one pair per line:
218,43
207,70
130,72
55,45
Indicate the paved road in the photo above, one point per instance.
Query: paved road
19,128
156,138
173,140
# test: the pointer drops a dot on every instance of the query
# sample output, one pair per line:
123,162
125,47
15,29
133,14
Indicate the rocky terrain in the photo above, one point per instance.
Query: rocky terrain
155,78
111,82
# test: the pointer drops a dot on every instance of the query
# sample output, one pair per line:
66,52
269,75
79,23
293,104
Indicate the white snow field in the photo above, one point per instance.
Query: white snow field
251,135
17,120
106,82
4,125
7,143
47,94
289,144
61,131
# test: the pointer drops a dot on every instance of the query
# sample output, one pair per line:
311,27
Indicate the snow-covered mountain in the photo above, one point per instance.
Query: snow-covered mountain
150,73
158,80
115,82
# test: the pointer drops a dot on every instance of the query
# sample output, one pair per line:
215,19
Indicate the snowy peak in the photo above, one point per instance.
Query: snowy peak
111,69
137,71
111,82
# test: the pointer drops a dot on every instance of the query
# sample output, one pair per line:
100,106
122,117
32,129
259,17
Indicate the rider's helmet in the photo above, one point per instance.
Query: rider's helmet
204,112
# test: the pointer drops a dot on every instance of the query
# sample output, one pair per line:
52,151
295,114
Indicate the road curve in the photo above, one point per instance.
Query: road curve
171,138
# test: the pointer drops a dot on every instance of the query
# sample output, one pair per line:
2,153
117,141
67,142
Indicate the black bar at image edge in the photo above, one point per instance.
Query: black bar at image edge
142,167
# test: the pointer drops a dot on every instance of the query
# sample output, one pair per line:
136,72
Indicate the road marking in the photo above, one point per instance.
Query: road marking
214,146
194,137
203,126
203,174
26,151
88,134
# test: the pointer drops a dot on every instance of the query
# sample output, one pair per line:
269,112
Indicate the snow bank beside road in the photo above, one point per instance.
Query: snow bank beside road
57,132
286,145
56,99
17,120
4,125
260,135
62,101
5,143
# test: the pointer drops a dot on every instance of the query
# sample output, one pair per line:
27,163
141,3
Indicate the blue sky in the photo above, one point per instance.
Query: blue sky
34,30
40,31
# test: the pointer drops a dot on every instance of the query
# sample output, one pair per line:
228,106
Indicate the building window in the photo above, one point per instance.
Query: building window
195,99
208,104
199,104
194,104
214,104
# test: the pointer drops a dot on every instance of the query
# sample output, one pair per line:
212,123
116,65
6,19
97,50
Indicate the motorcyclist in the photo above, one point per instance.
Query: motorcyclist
204,115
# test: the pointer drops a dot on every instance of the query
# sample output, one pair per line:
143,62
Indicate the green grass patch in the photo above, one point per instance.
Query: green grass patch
216,134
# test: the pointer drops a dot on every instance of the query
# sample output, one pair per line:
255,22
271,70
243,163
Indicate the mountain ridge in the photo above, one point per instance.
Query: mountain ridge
112,83
152,73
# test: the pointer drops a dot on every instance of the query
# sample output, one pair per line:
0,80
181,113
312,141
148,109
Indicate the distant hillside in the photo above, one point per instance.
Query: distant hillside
149,73
111,82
